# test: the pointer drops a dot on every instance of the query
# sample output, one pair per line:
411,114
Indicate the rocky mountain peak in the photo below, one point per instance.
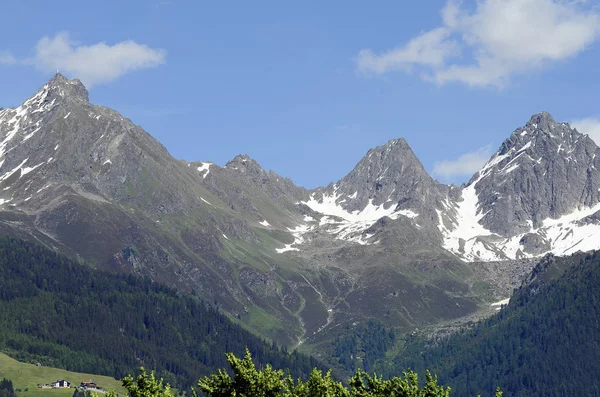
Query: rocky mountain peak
389,181
393,149
59,85
544,170
542,140
531,195
541,121
244,164
400,143
390,164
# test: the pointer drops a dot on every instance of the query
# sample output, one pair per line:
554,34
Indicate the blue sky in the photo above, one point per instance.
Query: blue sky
307,89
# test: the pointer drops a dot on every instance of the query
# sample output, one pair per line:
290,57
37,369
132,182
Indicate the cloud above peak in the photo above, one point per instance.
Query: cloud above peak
589,126
97,63
6,58
94,64
492,41
464,166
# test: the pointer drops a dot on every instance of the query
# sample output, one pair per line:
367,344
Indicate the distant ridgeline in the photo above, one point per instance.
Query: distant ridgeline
546,342
71,316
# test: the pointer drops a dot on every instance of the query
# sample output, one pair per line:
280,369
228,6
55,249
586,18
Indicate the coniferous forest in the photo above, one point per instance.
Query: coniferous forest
546,342
64,314
7,389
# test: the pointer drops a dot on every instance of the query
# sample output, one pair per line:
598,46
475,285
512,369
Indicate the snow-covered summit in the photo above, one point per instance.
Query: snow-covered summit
543,172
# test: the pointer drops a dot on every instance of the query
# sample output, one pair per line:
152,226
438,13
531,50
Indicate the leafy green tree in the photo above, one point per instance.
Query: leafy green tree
363,385
146,385
318,385
248,381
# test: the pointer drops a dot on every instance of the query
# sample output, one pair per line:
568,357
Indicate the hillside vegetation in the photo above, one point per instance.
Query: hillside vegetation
64,314
546,342
249,381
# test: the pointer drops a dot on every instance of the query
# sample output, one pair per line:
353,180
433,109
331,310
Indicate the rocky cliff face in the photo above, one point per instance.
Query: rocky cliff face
388,183
534,196
543,170
87,181
385,241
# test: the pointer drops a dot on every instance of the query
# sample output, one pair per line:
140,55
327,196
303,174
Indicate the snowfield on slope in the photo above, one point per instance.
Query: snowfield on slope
566,235
340,223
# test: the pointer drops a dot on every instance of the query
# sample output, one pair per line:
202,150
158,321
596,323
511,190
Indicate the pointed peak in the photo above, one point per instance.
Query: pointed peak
392,149
543,126
58,78
392,146
64,87
243,161
395,157
241,158
541,121
401,142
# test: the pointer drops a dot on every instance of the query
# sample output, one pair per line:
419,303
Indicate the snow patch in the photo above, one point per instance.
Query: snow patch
498,305
467,226
27,170
9,173
510,169
265,223
43,188
565,235
32,133
351,226
298,233
201,198
204,168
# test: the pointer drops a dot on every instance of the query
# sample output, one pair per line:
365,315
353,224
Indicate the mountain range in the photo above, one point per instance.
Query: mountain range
386,241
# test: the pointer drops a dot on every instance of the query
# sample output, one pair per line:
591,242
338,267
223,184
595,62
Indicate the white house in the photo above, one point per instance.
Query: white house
59,384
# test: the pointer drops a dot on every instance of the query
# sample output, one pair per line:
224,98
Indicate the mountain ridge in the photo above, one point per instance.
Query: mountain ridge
292,264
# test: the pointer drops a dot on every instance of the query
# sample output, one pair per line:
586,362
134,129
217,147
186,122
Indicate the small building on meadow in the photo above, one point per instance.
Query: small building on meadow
61,384
89,385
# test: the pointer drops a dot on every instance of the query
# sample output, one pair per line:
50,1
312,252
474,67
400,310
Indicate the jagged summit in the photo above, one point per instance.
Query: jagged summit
401,142
538,141
388,182
543,172
62,86
93,184
244,163
541,121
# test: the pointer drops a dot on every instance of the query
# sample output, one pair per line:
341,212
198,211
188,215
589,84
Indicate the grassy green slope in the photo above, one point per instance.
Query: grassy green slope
27,376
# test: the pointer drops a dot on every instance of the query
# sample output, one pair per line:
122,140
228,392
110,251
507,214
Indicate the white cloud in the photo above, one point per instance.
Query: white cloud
465,165
93,64
502,38
6,58
589,126
429,49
